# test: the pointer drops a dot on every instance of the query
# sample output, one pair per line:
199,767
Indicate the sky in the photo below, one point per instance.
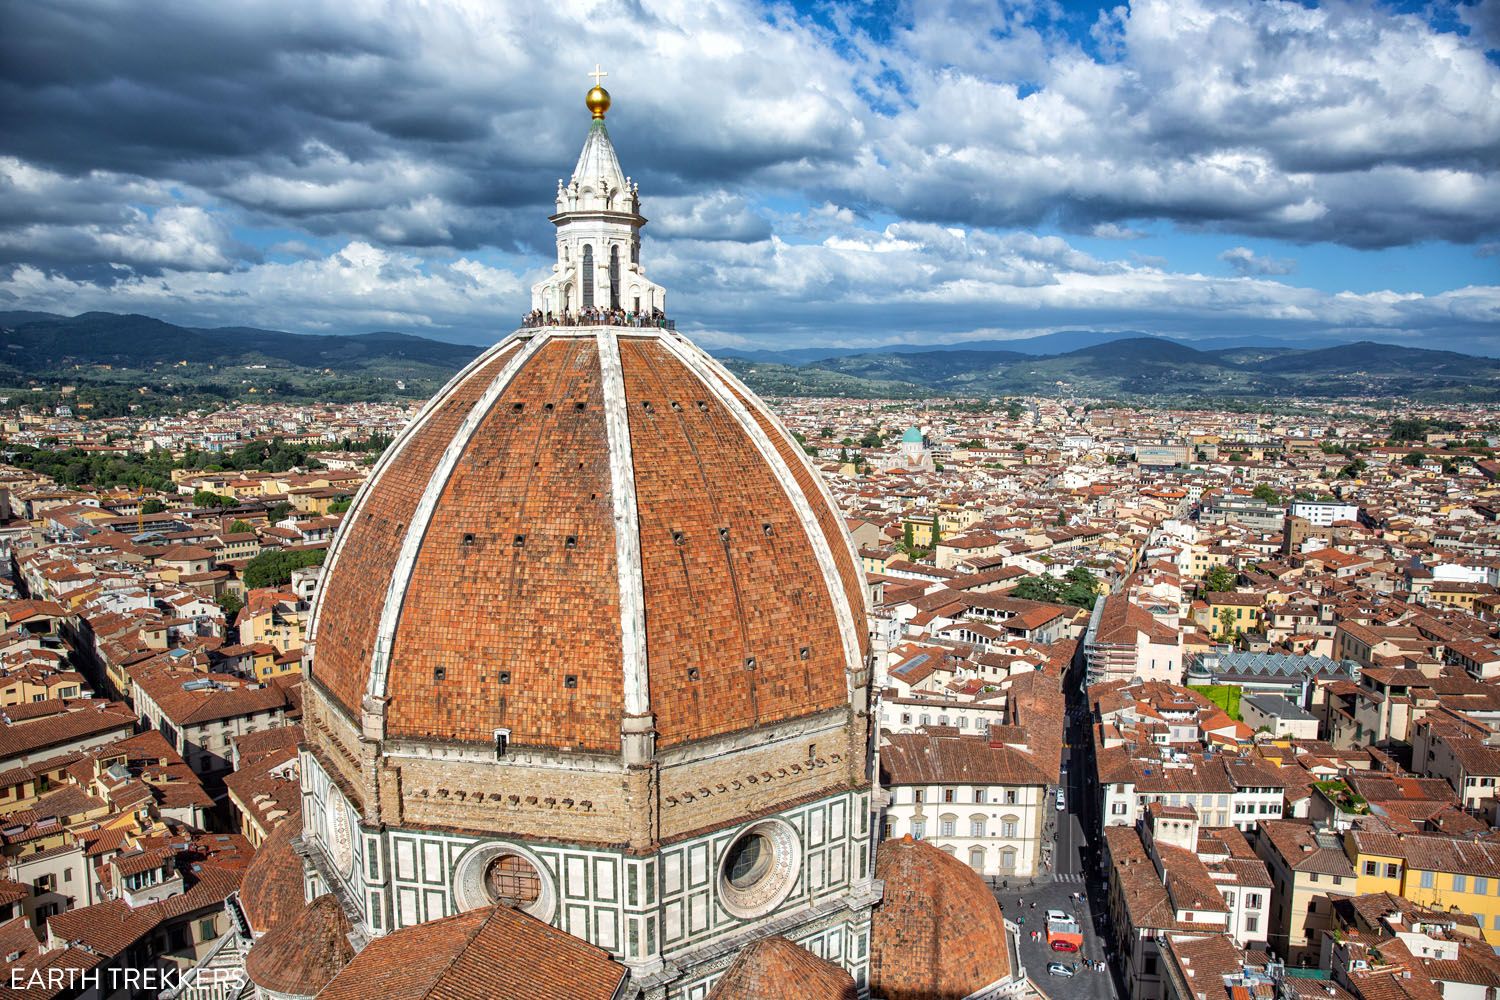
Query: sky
815,174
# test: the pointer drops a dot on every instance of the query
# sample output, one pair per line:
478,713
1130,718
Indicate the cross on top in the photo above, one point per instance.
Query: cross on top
597,74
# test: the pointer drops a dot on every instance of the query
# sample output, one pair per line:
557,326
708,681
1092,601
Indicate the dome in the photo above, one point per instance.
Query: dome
774,968
589,526
937,933
272,891
913,435
300,956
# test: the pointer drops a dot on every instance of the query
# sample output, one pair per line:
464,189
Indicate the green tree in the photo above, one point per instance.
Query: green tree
1080,587
1414,459
238,527
1227,626
230,603
909,538
871,440
937,530
207,498
1039,588
273,568
279,511
1266,494
1219,579
1408,429
153,506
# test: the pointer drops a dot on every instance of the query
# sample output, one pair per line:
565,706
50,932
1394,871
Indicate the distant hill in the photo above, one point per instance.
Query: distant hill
131,352
1049,343
132,341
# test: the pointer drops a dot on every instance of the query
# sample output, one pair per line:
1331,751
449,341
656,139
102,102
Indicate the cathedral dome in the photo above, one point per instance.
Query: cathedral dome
590,528
938,933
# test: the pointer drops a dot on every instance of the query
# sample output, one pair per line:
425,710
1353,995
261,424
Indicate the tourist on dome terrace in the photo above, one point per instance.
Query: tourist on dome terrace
598,317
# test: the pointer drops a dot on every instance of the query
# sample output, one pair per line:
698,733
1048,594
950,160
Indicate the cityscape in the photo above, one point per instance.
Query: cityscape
618,647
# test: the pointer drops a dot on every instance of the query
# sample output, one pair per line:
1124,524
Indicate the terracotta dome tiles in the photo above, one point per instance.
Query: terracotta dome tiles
510,617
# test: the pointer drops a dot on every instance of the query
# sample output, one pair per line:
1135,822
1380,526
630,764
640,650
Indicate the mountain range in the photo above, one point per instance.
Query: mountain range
1073,363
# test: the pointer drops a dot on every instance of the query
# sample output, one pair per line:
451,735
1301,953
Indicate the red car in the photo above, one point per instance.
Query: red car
1063,944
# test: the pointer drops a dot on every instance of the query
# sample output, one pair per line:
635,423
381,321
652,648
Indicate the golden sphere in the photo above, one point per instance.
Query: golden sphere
597,101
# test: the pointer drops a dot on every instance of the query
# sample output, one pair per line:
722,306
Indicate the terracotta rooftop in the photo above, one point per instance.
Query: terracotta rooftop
774,968
486,954
938,933
300,957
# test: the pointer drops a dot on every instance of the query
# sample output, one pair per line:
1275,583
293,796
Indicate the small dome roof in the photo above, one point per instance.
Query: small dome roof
272,891
300,956
913,435
774,968
937,933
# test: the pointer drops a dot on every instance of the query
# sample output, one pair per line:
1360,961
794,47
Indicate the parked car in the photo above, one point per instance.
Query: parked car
1063,944
1058,969
1062,802
1058,915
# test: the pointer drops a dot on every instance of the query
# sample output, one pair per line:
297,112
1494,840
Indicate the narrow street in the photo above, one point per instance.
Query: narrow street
1067,885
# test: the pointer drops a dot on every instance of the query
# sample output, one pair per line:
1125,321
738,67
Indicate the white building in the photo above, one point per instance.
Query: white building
1323,513
981,799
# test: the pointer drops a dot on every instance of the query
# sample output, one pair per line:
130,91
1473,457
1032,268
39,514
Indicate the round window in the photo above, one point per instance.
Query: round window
511,881
758,869
505,875
749,860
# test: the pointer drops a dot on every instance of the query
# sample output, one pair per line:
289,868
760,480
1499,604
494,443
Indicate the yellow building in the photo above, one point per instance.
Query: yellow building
1230,612
1433,871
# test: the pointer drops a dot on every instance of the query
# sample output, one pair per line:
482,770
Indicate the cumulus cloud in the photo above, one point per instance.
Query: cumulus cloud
919,147
357,287
932,282
1113,231
1244,261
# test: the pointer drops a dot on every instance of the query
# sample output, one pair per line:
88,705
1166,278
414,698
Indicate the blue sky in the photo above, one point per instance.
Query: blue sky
815,173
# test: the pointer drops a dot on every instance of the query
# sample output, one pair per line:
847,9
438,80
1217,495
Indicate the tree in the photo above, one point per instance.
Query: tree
339,506
278,511
1227,627
1414,459
273,568
825,432
1219,579
230,603
871,440
909,537
207,498
1353,470
1408,429
1047,589
238,527
153,506
1080,587
937,530
1266,494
